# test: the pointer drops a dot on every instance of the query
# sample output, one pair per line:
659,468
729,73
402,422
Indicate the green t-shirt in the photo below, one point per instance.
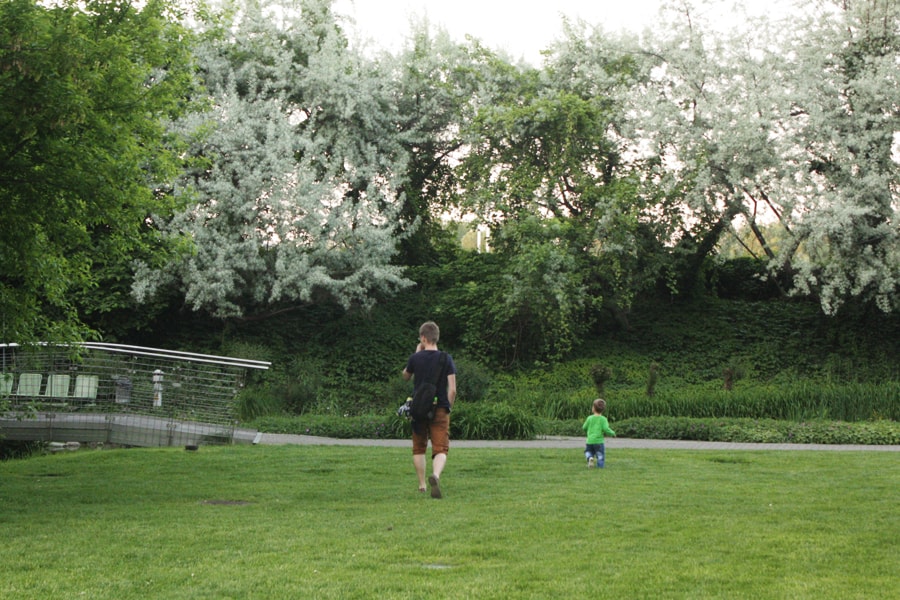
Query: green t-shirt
596,427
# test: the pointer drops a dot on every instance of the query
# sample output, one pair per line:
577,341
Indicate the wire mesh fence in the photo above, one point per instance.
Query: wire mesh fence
128,395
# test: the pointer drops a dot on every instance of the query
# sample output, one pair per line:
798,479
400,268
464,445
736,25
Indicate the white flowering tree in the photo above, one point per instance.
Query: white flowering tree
788,123
294,194
845,239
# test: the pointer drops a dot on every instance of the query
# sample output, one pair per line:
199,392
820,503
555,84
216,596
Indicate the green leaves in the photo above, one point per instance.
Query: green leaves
83,91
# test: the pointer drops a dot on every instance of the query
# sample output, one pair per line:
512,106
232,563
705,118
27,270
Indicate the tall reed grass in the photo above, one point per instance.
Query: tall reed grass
795,401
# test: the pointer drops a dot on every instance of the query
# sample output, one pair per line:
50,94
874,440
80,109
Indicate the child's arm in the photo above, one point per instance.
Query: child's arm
607,430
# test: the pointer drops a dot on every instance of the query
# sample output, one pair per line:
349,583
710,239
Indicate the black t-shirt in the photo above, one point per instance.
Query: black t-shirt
423,364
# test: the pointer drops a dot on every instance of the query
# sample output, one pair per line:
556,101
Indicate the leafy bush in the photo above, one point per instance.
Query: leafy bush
760,431
742,278
392,393
491,421
253,403
297,383
498,422
375,350
469,422
560,428
600,374
16,449
473,380
366,427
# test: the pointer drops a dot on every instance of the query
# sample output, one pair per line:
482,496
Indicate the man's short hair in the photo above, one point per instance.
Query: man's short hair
430,331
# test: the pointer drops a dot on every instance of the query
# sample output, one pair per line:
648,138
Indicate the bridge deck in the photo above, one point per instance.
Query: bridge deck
122,429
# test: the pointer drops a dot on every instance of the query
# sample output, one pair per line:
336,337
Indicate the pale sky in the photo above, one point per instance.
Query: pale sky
520,27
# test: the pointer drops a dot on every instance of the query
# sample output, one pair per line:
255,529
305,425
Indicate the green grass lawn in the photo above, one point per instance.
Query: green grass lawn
347,522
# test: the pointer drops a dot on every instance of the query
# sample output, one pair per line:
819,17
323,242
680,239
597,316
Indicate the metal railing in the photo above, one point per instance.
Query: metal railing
114,393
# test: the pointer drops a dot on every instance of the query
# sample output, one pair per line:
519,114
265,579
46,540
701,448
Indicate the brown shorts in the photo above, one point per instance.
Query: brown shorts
439,432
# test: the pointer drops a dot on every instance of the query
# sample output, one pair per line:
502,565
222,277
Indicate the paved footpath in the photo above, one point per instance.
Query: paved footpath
571,443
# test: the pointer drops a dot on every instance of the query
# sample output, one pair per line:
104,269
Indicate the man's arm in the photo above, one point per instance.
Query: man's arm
451,388
406,374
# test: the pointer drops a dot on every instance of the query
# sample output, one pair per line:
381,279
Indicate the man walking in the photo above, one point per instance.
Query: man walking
424,364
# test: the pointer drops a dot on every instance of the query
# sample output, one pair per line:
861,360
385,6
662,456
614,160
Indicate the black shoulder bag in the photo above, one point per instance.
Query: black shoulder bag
425,396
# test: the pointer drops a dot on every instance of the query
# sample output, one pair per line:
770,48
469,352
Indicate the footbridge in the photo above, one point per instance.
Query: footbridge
120,394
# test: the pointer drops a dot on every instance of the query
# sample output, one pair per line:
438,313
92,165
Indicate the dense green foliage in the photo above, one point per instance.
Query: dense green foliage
85,89
789,362
492,421
807,377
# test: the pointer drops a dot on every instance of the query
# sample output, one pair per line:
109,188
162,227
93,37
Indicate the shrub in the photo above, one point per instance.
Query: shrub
16,449
297,395
559,428
498,422
391,393
483,421
301,385
761,431
473,380
652,379
600,374
252,403
479,421
334,426
491,421
743,278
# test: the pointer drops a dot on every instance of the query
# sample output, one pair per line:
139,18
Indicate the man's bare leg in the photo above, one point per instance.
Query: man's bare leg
419,462
437,467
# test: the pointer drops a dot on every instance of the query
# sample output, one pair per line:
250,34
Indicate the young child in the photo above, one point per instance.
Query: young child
596,427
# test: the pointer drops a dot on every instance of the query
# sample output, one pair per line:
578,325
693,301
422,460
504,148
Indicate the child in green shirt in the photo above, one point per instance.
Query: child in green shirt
596,426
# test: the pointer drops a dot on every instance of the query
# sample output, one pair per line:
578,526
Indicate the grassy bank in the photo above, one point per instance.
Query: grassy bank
782,361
